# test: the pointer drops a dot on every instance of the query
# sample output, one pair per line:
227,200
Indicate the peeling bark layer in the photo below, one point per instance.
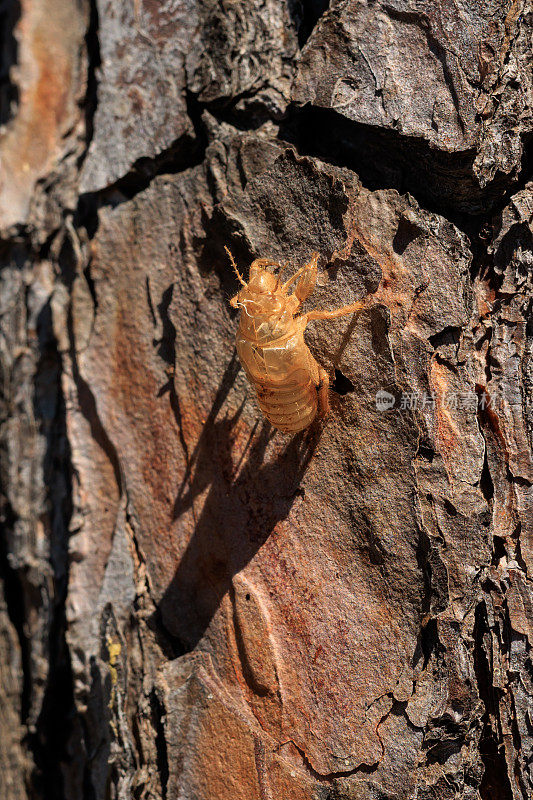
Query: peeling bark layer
192,605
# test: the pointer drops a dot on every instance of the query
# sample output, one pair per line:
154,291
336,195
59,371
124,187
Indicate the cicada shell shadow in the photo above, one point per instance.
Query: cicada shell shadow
239,502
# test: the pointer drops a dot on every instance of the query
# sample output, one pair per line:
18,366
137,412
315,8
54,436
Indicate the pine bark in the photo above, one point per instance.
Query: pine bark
193,606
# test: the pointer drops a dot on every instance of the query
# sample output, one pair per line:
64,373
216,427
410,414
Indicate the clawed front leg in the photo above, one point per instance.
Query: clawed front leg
307,282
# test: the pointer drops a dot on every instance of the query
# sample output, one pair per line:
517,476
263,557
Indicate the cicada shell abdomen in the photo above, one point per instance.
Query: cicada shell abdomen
284,375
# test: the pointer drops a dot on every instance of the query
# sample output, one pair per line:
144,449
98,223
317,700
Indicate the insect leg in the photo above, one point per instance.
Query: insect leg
307,282
338,312
293,277
323,397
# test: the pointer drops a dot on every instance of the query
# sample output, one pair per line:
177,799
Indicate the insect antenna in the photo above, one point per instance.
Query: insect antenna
234,265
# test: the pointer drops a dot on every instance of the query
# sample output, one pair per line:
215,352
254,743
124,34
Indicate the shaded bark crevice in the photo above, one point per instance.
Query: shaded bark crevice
14,594
92,44
496,781
9,93
55,723
306,15
158,713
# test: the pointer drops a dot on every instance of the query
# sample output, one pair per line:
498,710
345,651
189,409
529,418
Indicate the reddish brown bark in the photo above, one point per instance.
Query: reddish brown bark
191,605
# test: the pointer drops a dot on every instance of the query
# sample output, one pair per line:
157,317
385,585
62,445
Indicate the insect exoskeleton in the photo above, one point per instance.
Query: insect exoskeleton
291,387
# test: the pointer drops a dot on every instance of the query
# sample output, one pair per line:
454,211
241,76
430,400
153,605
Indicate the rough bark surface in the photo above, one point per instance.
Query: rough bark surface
192,605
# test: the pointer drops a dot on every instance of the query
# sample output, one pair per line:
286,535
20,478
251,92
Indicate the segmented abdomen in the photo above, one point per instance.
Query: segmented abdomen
290,407
284,375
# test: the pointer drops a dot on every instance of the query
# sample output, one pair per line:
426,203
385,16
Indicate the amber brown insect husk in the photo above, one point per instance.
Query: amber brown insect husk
291,387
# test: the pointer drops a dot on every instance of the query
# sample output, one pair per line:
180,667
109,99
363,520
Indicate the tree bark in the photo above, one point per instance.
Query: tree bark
193,606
